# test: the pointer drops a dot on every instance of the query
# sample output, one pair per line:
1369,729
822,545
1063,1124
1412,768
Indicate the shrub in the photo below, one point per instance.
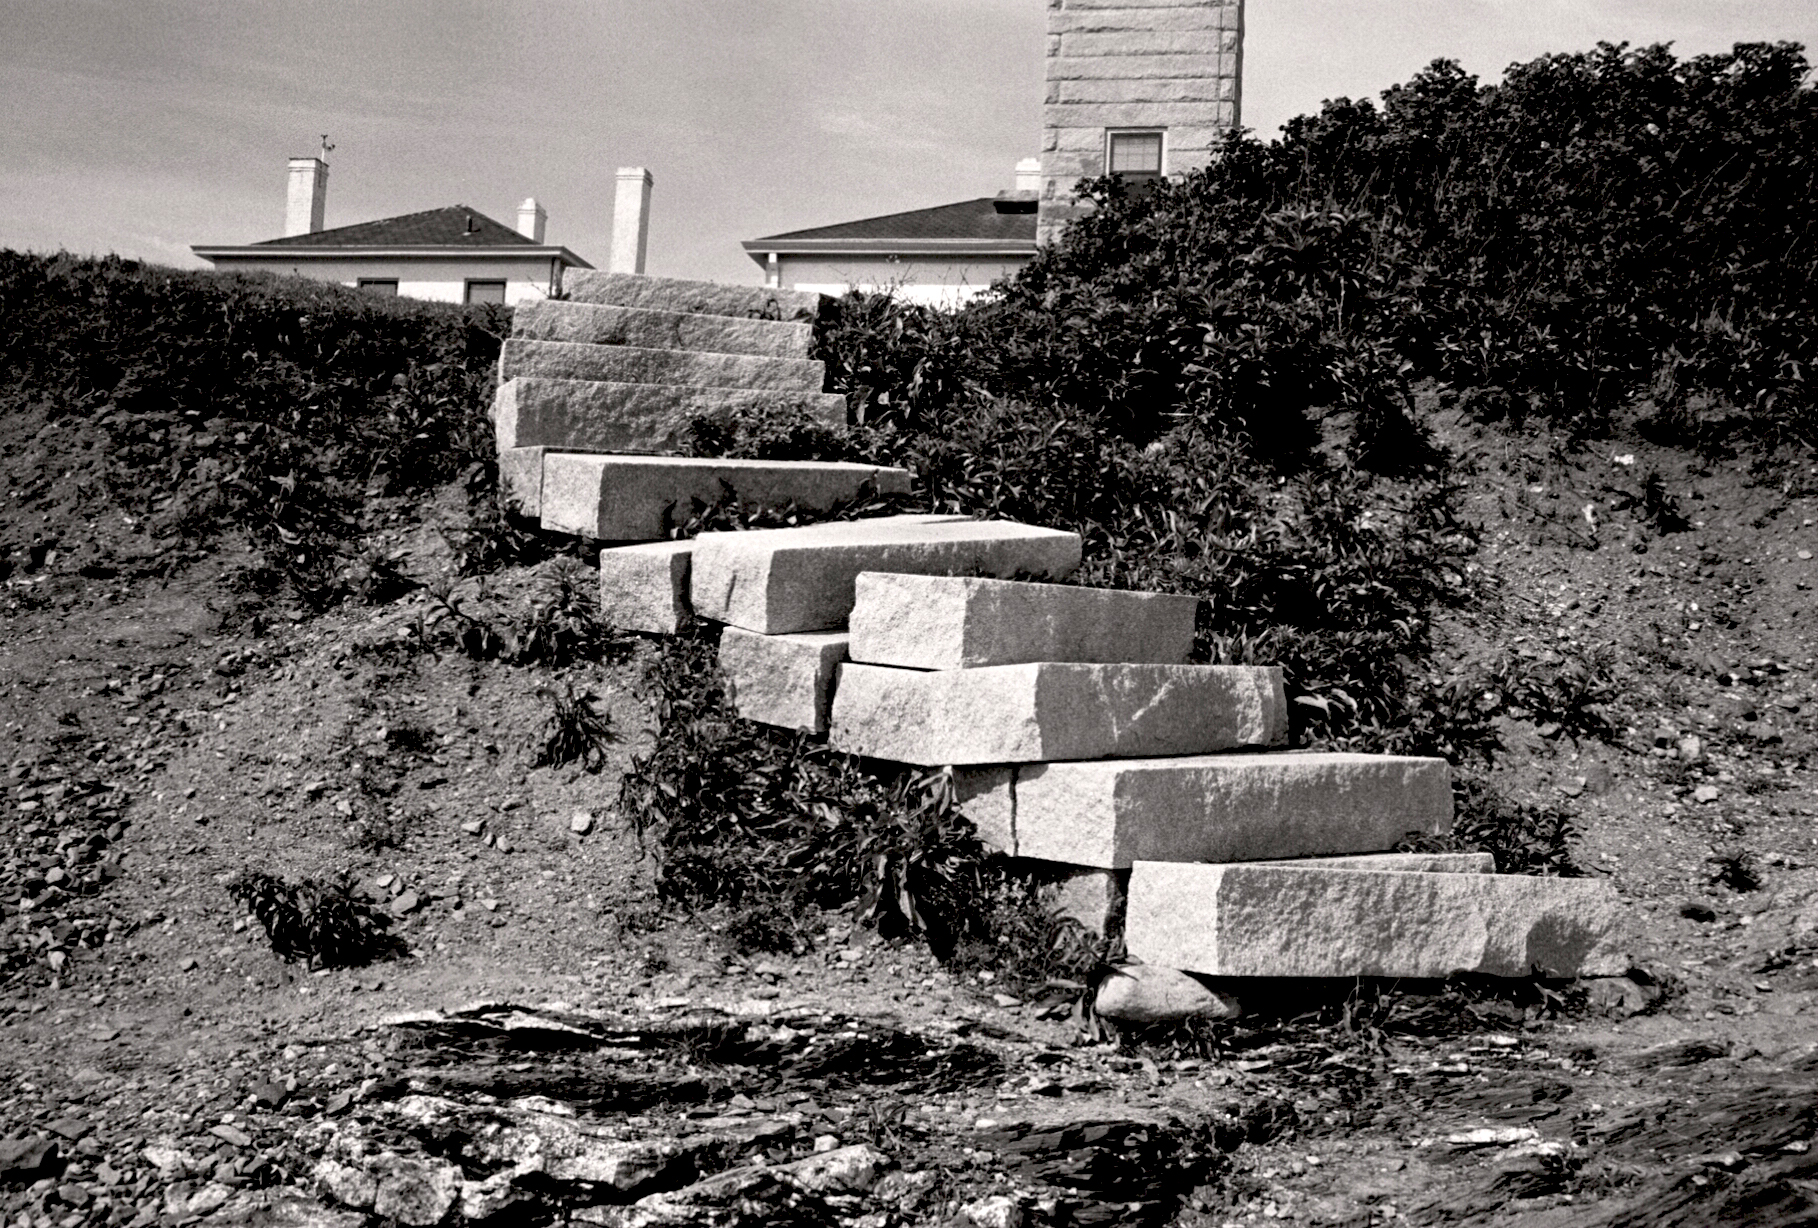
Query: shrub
324,923
575,731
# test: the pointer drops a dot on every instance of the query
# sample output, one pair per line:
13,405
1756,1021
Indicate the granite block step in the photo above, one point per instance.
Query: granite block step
783,680
782,580
645,587
1283,921
630,364
608,416
1208,807
1048,711
601,324
964,622
694,297
639,498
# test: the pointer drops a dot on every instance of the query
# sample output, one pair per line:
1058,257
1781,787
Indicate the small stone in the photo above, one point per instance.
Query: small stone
1006,1000
1805,556
187,963
474,827
1144,994
406,903
997,1211
581,823
1704,795
1691,748
232,1134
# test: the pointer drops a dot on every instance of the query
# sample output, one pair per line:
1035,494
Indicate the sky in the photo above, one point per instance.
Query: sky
144,126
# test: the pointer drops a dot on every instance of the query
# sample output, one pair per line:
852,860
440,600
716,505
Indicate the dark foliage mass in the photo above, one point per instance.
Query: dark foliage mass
323,923
272,405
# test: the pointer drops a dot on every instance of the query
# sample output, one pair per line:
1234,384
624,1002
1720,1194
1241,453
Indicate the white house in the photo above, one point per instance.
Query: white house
454,254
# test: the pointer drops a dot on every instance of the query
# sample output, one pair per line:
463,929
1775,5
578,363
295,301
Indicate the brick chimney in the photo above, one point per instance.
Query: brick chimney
307,196
533,219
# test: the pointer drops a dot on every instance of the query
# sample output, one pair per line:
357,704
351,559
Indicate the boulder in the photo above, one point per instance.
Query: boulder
1146,994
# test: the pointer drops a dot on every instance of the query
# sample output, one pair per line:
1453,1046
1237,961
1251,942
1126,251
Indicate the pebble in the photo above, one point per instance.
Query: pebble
581,823
1705,794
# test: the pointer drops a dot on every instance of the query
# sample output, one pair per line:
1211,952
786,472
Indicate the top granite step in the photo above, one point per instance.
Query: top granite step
642,327
706,298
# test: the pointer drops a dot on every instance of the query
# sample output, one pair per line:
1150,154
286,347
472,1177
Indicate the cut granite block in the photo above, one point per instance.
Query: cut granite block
599,416
648,328
1052,711
639,498
784,680
696,297
645,587
521,481
782,580
1220,807
1282,921
627,364
964,622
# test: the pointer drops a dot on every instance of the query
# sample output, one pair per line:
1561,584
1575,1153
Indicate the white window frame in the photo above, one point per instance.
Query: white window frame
1111,134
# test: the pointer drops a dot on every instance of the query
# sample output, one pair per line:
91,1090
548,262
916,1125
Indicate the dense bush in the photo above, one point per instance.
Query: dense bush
271,404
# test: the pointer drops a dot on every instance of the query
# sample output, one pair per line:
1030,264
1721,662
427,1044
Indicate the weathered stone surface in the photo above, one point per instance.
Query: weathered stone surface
1053,711
628,364
1094,898
645,587
1138,67
964,622
694,297
415,1192
1148,994
781,580
638,498
1249,920
605,416
1117,18
1213,807
1404,863
604,324
784,680
1144,89
1148,42
521,481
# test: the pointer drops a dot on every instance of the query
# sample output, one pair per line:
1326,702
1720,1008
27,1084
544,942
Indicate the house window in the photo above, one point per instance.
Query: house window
1134,155
486,292
380,285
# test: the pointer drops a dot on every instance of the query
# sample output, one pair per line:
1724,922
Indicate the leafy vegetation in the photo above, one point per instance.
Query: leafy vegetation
276,406
324,923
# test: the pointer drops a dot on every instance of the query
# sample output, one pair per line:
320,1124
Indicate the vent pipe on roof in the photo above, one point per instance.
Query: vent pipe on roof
533,219
631,220
1029,175
306,196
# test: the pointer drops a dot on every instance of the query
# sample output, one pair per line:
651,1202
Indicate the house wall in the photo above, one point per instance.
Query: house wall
1176,65
443,281
937,282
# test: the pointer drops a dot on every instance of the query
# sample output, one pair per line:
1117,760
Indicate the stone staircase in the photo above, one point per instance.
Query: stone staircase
1079,734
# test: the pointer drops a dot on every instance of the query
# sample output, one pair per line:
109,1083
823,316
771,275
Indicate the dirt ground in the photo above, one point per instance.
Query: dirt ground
167,730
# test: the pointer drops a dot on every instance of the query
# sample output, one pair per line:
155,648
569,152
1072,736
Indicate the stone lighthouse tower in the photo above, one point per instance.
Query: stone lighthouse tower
1140,88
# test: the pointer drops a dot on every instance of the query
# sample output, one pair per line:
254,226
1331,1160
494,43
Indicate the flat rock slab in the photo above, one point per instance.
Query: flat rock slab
638,498
1400,863
608,416
1249,920
696,297
601,324
1054,710
1211,807
784,680
645,587
782,580
629,364
965,622
521,481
